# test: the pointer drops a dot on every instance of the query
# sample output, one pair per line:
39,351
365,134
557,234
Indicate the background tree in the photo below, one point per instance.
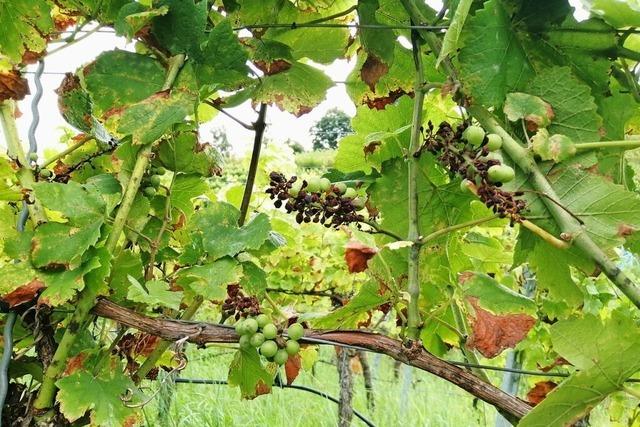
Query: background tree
330,128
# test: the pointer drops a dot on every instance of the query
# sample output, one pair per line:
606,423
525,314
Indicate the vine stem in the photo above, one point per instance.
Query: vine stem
87,297
567,223
16,152
624,144
67,151
413,235
259,127
456,227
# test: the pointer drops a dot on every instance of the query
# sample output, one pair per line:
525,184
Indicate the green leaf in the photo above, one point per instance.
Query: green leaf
134,16
63,286
184,153
556,147
496,298
298,90
619,13
575,110
369,298
25,24
246,371
186,188
607,354
533,110
182,29
119,78
381,47
492,61
81,205
101,395
216,226
75,103
156,294
129,264
254,279
450,40
57,245
211,280
21,278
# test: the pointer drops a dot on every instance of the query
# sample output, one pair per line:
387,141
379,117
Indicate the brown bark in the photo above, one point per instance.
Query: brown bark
200,333
345,408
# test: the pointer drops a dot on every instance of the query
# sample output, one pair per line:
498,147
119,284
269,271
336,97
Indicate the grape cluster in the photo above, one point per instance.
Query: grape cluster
237,304
151,180
261,333
468,152
317,200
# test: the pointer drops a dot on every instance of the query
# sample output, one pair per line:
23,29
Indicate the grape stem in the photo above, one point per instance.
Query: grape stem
627,144
68,151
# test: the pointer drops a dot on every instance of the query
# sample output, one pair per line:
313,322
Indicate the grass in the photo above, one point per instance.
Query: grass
415,398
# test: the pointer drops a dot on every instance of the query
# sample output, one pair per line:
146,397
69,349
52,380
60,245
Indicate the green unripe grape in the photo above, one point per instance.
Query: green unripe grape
263,320
341,187
257,339
239,326
292,347
501,173
295,331
45,173
358,203
149,191
325,184
269,348
494,142
350,193
33,157
160,170
155,180
313,185
465,186
270,331
295,188
474,135
245,342
281,357
251,326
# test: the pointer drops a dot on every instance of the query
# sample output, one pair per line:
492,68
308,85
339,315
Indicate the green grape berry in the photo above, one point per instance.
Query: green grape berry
149,191
239,326
358,203
350,193
45,173
155,180
281,357
263,320
292,347
295,331
313,185
474,135
269,348
270,331
494,142
325,184
341,187
295,188
33,157
257,339
501,173
245,342
465,186
160,170
251,326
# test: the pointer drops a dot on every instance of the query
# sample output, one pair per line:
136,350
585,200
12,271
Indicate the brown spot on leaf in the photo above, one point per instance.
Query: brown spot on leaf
13,85
372,70
380,102
61,22
465,276
558,362
371,148
262,388
273,67
75,363
625,230
292,368
31,57
540,391
357,256
24,293
492,333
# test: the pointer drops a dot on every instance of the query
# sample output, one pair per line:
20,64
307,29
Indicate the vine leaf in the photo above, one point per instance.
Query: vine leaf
533,110
618,13
499,317
555,147
539,391
492,63
451,37
247,373
575,110
156,294
210,280
185,188
25,24
381,47
607,354
357,256
21,283
358,309
133,17
13,85
184,153
104,399
182,29
63,286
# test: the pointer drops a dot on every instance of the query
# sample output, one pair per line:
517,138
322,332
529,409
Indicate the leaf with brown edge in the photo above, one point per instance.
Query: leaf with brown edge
380,102
246,371
372,70
20,283
540,391
357,256
13,86
24,293
292,368
493,333
74,364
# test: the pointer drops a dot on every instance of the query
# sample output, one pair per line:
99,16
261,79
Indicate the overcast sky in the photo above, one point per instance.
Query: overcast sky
281,125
